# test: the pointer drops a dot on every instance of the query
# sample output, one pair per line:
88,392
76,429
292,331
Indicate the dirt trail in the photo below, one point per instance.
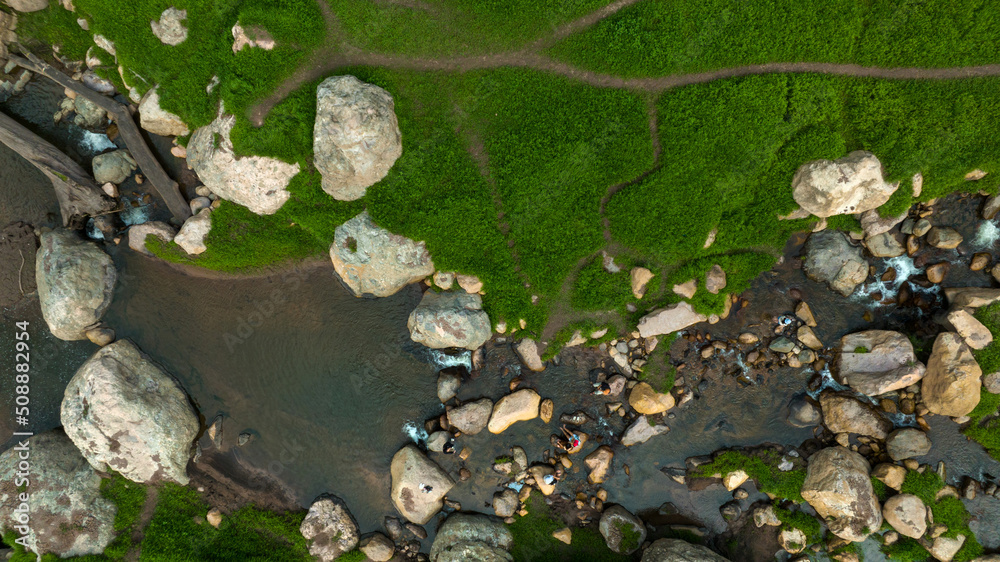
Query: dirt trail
336,53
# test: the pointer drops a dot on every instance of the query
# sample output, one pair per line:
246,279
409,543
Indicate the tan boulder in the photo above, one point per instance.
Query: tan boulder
843,413
952,384
418,485
647,401
874,362
518,406
640,277
907,514
598,464
975,334
838,487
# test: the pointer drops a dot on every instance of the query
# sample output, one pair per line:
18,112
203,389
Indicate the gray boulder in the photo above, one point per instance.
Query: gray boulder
472,536
256,182
907,514
356,138
170,29
127,415
874,362
113,167
76,281
642,429
137,235
843,413
371,260
89,115
849,185
450,319
472,417
839,488
418,485
195,229
907,443
623,532
676,550
330,529
831,259
158,121
67,515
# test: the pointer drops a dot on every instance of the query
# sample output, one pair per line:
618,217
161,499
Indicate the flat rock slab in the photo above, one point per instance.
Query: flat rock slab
874,362
371,260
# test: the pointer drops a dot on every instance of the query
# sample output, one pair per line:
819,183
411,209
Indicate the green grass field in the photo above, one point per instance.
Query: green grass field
663,37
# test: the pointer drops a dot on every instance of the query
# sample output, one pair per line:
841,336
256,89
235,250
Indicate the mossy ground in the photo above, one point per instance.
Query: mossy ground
762,467
984,426
533,540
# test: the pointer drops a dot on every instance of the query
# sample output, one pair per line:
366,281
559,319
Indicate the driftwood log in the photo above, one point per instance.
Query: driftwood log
165,186
78,195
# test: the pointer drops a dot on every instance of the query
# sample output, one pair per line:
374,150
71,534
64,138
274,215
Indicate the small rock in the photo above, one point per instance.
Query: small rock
715,280
214,517
980,261
564,535
377,547
522,405
448,384
907,443
640,278
944,237
804,313
647,401
937,272
545,410
686,289
527,350
505,503
975,334
891,475
598,463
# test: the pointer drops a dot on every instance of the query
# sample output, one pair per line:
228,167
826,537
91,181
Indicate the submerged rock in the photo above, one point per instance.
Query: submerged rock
623,532
125,414
838,487
256,182
849,185
670,319
843,413
874,362
951,386
371,260
76,281
113,167
330,529
67,515
472,536
450,319
418,485
158,121
803,412
831,259
472,417
676,550
356,139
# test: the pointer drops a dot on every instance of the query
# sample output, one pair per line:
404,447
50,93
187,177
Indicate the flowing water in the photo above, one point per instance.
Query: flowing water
329,386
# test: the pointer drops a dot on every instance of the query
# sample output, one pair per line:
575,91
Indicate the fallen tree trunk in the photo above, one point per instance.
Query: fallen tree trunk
78,194
165,186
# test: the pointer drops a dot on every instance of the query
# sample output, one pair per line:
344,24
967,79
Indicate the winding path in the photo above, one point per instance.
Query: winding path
337,53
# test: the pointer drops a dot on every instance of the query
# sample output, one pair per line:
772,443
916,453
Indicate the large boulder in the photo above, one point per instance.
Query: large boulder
372,260
951,386
670,319
127,415
472,536
66,514
450,319
356,138
156,120
642,429
418,485
76,281
849,185
113,167
521,405
676,550
256,182
330,529
471,418
971,297
874,362
907,514
623,532
843,413
170,29
27,5
647,401
831,259
839,488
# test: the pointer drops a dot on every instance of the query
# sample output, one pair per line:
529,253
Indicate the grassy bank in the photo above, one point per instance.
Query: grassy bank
663,37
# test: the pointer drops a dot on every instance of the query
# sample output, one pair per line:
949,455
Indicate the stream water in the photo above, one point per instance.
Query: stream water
329,386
